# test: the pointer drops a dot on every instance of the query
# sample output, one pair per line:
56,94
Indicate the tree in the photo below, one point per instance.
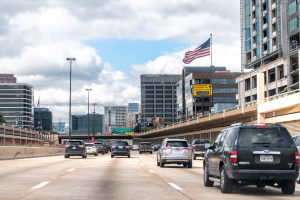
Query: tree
137,128
2,120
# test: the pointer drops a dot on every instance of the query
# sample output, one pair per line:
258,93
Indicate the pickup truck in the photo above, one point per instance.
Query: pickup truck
145,146
199,147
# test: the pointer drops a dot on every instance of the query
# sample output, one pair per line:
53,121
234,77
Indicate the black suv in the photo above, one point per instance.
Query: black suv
75,148
252,155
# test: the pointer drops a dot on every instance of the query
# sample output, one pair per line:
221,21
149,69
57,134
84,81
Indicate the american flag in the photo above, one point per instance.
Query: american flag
201,51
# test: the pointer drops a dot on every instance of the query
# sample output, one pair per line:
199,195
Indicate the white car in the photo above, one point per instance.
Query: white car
135,147
91,149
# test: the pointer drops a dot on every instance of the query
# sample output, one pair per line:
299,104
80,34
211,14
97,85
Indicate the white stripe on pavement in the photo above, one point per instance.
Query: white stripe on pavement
40,185
141,164
175,186
71,170
297,190
151,171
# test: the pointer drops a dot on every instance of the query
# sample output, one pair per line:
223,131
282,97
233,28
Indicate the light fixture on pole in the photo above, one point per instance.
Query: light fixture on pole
88,113
70,59
94,127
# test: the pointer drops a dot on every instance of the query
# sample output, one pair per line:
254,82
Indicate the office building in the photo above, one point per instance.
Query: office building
224,90
43,119
8,78
80,124
115,117
60,127
17,103
132,120
270,45
158,97
133,108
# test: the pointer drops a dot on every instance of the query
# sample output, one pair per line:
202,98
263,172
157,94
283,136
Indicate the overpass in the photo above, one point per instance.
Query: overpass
97,137
283,108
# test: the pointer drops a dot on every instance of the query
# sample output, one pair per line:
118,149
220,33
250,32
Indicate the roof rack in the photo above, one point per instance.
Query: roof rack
236,124
274,124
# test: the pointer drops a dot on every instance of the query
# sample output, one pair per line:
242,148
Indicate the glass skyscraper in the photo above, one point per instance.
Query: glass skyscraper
43,119
80,122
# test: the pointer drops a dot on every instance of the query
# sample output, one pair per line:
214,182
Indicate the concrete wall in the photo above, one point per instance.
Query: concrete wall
14,152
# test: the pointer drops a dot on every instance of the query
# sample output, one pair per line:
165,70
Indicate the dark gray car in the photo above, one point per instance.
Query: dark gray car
99,146
297,142
120,148
75,148
145,147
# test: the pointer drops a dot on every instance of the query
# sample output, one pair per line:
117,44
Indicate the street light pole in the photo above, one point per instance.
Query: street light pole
70,59
88,113
94,127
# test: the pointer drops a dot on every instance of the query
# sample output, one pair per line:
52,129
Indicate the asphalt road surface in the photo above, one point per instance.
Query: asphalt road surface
103,177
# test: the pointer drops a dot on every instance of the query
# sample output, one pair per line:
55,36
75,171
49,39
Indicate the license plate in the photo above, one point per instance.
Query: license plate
120,147
177,151
264,158
74,147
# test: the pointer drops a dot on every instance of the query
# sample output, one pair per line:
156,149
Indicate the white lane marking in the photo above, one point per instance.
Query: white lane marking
297,190
141,164
71,170
151,171
175,186
40,185
84,163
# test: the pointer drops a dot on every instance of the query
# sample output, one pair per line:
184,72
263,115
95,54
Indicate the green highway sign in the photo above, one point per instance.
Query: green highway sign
145,122
101,140
122,131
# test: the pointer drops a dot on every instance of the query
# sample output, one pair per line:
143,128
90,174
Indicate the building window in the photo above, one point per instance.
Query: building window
257,38
159,96
168,87
168,91
258,52
159,110
257,26
149,101
254,82
293,7
149,92
159,106
269,45
247,9
149,111
201,81
159,91
168,110
256,2
159,101
168,101
248,33
149,115
268,20
168,106
149,106
225,99
248,45
223,81
159,87
149,87
168,96
257,13
149,96
294,23
247,21
225,90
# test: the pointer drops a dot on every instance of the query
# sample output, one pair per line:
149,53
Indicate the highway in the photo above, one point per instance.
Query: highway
104,177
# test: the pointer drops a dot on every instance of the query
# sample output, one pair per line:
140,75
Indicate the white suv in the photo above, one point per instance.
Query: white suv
91,149
174,151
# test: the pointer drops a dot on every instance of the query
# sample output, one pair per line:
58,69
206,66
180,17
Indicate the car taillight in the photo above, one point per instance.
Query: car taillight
188,148
113,147
165,148
81,146
233,156
67,145
297,157
195,147
127,147
263,127
94,147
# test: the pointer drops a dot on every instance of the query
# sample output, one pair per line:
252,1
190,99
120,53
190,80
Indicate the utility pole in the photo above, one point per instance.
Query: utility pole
88,113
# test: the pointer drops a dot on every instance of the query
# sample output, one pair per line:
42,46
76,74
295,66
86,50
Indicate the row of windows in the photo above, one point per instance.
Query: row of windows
159,110
157,92
293,7
160,106
159,83
294,23
159,96
159,87
159,101
158,115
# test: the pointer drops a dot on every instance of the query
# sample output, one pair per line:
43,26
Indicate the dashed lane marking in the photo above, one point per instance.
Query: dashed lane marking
28,163
71,170
175,186
297,190
40,185
151,171
141,164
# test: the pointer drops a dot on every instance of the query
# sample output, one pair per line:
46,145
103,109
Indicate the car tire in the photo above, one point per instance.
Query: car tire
161,164
226,184
194,157
66,156
151,152
190,165
288,187
207,182
140,152
112,156
128,155
102,153
185,165
83,156
261,185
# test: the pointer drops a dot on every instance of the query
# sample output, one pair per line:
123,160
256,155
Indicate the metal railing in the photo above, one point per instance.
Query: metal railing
279,96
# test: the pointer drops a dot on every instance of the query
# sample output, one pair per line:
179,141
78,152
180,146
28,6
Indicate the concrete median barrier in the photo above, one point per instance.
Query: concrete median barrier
15,152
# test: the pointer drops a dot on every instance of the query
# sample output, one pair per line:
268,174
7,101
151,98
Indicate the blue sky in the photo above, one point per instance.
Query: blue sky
122,53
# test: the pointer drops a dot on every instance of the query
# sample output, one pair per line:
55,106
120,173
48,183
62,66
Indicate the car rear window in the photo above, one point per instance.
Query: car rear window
177,144
201,141
146,143
121,143
74,143
89,145
98,144
274,137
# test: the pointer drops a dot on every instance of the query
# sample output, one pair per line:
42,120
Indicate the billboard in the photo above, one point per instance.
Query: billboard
123,131
202,90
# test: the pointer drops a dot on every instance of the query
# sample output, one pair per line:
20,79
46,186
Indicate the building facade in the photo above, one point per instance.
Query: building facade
43,119
132,120
224,90
270,44
115,117
133,108
60,127
158,97
8,78
80,124
17,103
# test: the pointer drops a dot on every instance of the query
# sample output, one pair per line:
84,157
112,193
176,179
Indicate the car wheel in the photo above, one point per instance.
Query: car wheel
185,165
226,183
194,157
140,152
288,187
83,156
66,156
161,164
128,155
190,165
261,185
151,152
158,163
102,153
207,182
112,156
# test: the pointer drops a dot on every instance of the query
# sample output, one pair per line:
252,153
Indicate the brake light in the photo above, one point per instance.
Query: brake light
188,148
81,146
297,157
127,147
67,145
233,156
195,147
165,148
263,127
94,147
113,147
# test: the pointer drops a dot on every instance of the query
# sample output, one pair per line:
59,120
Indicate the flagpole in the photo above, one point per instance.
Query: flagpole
212,98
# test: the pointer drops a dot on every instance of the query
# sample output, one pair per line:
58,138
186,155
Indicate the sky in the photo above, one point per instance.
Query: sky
113,41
